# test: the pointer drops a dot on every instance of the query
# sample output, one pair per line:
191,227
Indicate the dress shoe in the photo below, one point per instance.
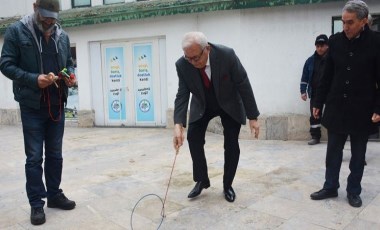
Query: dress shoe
354,200
229,194
37,216
323,194
198,188
313,141
60,201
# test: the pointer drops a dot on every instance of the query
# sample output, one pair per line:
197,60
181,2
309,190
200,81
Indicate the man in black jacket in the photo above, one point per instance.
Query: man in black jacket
311,75
352,99
35,50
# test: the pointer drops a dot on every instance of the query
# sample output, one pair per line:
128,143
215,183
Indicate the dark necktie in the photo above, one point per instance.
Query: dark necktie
206,80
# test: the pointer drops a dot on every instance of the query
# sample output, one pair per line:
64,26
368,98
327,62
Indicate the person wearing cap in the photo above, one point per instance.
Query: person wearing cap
311,76
349,91
35,50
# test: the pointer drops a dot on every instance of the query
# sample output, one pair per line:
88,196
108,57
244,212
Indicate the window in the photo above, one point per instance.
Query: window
106,2
337,25
80,3
375,24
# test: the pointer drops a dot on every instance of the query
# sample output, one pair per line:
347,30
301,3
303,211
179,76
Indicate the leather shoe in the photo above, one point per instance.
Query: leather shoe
198,188
323,194
313,141
354,200
229,194
60,201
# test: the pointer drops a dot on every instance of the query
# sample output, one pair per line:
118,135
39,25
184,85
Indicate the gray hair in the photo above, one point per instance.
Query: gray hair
191,38
370,20
357,6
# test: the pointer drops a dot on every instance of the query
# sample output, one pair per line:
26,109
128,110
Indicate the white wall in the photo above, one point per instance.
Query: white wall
10,8
272,43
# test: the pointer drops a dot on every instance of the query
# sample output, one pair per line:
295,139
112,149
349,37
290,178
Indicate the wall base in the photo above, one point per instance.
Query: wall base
13,117
276,127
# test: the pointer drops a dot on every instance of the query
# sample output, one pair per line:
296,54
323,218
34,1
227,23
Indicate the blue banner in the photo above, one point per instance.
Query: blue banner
143,80
116,83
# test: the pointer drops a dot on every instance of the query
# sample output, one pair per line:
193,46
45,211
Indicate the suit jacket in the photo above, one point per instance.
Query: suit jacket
230,82
349,84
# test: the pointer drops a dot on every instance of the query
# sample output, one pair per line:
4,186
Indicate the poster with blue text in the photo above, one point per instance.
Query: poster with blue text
143,78
116,80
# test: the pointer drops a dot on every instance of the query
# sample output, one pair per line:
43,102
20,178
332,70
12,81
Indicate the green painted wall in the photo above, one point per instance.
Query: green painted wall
147,9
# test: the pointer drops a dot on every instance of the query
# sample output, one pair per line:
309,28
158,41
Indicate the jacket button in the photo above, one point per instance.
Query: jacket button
347,82
345,95
348,68
350,54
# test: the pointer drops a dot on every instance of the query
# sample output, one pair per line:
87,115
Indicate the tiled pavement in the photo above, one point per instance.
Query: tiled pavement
107,170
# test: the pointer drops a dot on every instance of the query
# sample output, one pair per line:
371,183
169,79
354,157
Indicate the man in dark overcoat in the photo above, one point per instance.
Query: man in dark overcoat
349,89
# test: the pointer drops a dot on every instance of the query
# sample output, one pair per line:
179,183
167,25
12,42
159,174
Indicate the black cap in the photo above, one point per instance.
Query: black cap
321,39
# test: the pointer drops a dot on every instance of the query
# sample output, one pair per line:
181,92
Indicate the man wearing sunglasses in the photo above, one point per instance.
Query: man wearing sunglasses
219,86
35,50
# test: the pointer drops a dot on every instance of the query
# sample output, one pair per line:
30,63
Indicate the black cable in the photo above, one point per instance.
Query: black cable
162,214
153,194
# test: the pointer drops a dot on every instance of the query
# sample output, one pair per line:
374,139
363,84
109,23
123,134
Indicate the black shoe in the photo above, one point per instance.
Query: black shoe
60,201
365,163
37,216
198,188
354,200
229,194
323,194
313,141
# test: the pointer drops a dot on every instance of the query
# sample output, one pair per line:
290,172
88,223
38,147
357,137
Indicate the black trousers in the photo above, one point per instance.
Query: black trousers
196,139
334,156
315,123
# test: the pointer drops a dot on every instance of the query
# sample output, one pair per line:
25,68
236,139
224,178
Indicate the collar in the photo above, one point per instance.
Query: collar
208,60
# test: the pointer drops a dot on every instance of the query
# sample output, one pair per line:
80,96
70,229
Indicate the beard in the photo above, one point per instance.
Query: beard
39,25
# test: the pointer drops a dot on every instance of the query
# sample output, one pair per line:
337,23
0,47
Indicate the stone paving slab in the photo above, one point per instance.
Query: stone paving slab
107,170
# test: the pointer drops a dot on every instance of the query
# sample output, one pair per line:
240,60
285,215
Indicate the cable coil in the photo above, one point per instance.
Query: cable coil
153,194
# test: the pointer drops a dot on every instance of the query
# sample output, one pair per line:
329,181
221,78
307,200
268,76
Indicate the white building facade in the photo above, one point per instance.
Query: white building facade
126,71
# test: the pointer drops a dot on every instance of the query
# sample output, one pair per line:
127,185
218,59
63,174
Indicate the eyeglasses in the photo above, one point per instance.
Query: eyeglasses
195,58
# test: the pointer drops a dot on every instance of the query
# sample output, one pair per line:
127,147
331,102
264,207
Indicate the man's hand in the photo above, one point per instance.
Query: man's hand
70,81
375,118
179,137
44,80
255,129
316,113
304,96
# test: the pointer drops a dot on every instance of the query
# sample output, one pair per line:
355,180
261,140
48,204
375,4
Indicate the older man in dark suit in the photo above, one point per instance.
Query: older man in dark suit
349,90
219,86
